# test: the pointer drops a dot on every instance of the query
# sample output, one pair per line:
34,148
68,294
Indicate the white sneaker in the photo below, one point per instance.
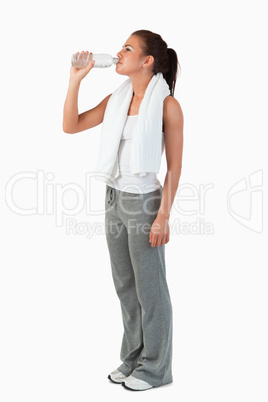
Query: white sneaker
116,376
135,384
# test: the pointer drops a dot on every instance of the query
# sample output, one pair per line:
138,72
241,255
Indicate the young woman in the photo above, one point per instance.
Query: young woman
137,213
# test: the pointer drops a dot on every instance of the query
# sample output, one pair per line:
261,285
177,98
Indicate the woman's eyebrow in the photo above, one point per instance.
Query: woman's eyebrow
128,45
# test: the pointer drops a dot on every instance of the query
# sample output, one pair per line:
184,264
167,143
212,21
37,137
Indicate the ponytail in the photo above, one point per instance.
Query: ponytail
174,69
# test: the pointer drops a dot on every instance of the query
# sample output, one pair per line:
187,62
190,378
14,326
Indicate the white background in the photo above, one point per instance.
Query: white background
60,317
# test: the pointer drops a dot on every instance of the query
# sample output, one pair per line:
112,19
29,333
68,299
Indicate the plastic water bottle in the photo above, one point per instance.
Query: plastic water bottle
80,60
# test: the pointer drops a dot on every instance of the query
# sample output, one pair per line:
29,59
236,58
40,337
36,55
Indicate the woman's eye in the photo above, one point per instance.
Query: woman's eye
127,48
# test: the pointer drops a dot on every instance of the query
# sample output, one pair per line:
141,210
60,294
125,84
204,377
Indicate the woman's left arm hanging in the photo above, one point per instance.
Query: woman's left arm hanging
173,129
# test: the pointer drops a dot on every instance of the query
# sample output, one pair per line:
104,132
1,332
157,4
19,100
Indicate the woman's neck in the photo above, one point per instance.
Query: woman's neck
139,85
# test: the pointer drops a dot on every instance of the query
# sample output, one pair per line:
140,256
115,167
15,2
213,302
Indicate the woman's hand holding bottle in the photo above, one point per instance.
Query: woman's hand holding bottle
78,74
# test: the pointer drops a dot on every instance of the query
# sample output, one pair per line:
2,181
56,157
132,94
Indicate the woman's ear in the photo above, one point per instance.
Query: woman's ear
149,61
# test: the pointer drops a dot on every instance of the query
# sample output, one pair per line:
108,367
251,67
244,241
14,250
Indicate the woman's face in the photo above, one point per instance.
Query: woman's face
130,57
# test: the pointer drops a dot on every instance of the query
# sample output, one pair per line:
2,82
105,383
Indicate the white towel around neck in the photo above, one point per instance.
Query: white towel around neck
146,144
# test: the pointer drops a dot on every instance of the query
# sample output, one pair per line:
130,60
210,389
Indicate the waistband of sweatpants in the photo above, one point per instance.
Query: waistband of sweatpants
133,194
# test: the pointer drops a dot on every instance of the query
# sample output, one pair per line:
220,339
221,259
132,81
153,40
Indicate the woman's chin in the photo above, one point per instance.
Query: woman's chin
120,72
118,68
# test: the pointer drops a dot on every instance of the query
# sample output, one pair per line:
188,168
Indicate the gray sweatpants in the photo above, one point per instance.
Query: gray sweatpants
139,276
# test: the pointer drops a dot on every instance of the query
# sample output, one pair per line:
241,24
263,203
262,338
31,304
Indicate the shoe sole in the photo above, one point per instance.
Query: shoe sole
115,382
132,389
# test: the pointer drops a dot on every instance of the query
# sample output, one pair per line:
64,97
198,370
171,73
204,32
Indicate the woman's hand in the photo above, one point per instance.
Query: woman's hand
79,73
159,233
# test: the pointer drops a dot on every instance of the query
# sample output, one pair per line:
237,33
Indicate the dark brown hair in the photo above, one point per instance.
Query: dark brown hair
165,58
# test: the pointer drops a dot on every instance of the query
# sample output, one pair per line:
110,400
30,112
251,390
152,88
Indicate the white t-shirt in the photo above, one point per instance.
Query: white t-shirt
126,181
